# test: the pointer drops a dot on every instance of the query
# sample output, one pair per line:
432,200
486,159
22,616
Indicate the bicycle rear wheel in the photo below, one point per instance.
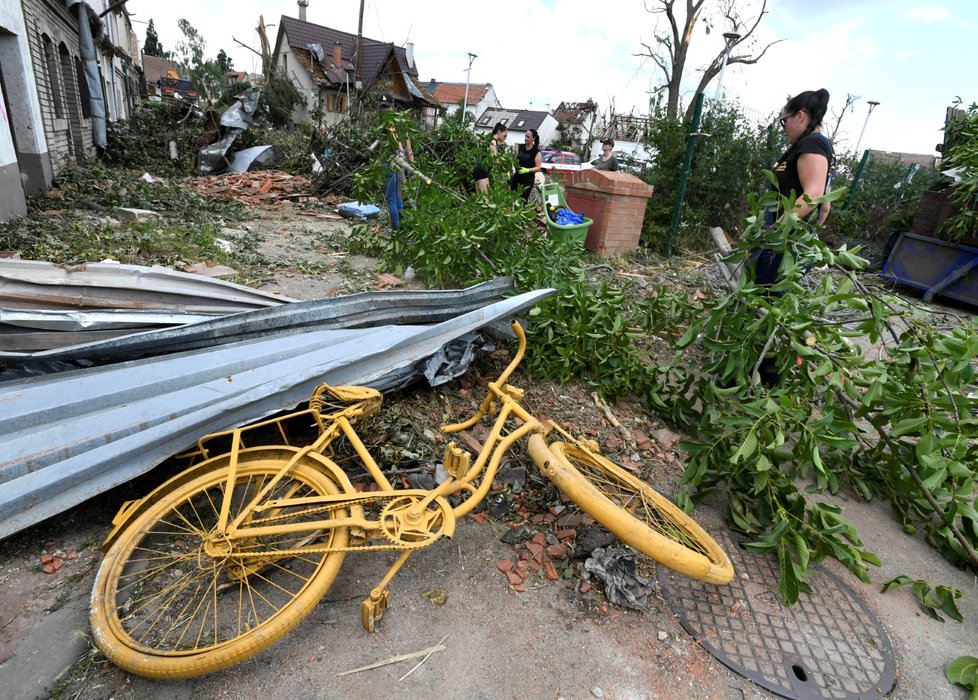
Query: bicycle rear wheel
172,600
638,514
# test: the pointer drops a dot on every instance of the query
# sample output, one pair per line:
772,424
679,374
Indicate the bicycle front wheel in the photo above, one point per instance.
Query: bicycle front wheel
638,514
174,600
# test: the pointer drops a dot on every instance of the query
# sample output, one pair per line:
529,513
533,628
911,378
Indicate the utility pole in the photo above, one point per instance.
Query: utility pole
465,100
873,104
359,50
729,38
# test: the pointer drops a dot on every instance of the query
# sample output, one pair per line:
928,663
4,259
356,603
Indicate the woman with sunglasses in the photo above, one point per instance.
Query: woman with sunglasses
804,167
803,170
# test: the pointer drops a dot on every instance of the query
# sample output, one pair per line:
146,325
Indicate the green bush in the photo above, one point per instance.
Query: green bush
730,154
883,202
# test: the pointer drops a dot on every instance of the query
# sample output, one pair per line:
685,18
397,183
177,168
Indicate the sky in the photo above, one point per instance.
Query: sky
914,58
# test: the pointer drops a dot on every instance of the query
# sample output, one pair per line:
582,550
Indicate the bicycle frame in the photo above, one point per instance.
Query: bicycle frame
463,475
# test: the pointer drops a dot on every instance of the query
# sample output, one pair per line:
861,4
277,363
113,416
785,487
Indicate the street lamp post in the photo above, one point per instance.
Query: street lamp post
729,38
873,104
468,75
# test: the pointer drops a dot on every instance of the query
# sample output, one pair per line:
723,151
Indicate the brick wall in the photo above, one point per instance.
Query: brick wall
616,201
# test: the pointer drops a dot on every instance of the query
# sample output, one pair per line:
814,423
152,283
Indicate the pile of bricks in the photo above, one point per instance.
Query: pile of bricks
259,187
535,555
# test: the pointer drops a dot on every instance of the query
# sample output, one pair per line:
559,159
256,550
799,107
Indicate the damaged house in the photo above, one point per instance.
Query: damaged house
328,70
67,67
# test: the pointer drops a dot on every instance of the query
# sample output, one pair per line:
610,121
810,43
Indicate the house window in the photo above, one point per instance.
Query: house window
54,78
84,94
520,123
485,120
335,103
503,121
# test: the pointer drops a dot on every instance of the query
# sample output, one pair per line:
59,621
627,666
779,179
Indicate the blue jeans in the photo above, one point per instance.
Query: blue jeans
392,195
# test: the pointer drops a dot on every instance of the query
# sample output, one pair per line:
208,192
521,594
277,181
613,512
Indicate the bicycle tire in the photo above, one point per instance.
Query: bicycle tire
638,514
163,607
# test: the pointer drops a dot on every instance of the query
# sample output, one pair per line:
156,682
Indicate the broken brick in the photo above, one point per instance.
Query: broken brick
519,588
557,551
550,570
504,565
570,520
46,558
567,535
585,587
514,578
539,538
478,517
535,565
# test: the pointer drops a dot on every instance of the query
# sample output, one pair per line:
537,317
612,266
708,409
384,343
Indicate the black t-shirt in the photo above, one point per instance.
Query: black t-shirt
786,169
526,159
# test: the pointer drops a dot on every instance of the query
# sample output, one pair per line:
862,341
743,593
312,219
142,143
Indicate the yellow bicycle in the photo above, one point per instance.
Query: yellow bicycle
227,557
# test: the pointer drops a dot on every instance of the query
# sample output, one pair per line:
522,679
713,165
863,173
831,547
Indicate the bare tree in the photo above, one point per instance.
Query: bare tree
670,51
850,100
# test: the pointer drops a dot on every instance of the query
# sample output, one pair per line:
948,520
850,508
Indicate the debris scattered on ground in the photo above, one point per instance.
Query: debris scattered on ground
260,187
618,570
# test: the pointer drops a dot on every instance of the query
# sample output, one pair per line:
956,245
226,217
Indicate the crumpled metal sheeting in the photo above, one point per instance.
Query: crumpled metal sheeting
71,436
67,320
354,311
617,568
24,331
35,284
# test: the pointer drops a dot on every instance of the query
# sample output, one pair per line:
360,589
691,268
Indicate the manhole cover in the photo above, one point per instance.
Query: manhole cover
828,645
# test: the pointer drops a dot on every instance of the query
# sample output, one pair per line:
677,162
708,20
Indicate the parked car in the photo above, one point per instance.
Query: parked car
562,160
178,88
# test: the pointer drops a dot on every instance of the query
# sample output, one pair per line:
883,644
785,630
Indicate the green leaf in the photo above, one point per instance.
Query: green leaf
907,425
747,448
963,671
788,585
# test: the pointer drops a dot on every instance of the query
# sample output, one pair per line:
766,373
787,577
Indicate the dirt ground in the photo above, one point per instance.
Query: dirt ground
556,639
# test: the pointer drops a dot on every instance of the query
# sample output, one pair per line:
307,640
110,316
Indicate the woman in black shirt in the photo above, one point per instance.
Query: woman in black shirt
802,171
529,162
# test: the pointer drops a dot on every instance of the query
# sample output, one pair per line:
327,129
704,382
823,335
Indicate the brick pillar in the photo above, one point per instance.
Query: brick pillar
616,202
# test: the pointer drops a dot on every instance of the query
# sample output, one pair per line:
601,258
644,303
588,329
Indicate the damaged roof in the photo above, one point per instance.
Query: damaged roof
379,61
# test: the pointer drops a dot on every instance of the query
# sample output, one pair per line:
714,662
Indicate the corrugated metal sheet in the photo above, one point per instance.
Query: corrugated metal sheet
70,436
33,284
354,311
43,329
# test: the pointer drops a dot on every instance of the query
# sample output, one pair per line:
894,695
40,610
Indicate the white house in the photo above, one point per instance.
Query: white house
517,122
451,96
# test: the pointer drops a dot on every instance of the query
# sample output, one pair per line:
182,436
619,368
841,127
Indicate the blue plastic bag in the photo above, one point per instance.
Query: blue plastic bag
565,217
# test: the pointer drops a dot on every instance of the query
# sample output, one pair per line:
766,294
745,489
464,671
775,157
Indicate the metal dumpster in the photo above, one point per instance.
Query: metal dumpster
940,268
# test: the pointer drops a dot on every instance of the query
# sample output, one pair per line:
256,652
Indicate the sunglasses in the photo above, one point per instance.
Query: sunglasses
784,120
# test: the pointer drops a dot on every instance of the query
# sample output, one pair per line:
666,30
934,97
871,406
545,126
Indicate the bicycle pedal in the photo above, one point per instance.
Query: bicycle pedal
371,611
